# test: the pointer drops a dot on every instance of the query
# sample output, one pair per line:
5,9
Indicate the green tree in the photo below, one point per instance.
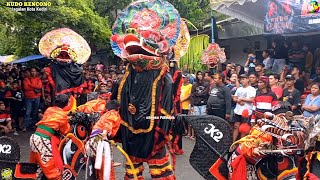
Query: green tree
21,31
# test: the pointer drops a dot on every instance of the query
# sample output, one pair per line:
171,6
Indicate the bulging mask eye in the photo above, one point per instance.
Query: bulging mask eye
131,31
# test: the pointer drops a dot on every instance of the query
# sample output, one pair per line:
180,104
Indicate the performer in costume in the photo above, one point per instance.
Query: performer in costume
45,141
309,166
105,128
67,49
272,132
143,36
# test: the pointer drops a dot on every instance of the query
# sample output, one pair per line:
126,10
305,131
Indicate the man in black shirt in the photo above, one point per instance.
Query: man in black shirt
292,95
219,102
299,83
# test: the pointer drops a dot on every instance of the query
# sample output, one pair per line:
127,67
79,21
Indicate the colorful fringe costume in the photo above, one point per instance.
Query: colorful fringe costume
272,134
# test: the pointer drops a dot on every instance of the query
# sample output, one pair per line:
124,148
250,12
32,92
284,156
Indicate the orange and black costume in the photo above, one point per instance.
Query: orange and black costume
45,141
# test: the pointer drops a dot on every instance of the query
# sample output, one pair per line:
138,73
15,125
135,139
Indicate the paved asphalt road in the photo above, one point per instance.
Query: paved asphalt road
184,171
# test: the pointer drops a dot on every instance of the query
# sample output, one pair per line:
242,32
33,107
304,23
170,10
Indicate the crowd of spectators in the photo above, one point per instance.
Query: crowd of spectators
25,93
287,74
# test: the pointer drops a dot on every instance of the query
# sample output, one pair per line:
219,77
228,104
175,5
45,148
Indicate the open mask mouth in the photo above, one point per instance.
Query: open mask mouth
147,47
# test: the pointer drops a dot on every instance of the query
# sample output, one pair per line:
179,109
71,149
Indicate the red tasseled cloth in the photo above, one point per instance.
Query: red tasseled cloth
55,152
239,167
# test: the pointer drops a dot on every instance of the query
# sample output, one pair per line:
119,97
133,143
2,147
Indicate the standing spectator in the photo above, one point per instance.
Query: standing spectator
47,91
3,91
279,56
244,97
316,77
99,66
208,77
5,119
296,56
228,68
299,82
309,60
233,86
273,82
32,89
185,94
311,106
240,69
88,87
16,96
265,99
199,96
260,69
292,95
250,63
253,79
268,61
185,101
219,102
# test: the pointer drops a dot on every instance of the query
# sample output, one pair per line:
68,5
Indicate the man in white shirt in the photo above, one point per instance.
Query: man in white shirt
244,98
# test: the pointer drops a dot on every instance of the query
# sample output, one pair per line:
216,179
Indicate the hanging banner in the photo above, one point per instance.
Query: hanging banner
291,16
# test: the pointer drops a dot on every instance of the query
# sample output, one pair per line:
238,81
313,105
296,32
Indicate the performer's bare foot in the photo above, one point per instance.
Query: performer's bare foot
192,138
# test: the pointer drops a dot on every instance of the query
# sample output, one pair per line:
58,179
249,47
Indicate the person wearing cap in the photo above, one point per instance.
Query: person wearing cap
219,102
265,99
244,97
292,95
45,141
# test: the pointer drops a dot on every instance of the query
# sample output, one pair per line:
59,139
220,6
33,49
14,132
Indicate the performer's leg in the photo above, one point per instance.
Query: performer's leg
160,167
138,166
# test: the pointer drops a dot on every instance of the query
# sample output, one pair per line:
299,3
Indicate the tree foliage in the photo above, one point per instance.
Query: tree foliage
21,31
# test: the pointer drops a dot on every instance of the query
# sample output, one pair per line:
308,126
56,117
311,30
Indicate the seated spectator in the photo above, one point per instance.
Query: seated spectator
311,105
299,82
273,82
292,95
5,119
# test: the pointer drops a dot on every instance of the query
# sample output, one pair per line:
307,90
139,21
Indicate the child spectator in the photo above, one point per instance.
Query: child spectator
16,96
5,119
